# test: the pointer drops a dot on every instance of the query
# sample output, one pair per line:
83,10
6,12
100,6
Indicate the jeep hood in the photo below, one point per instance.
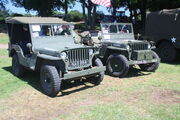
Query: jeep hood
55,45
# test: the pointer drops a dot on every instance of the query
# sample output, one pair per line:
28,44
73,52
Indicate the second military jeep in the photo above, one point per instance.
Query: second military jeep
47,45
120,50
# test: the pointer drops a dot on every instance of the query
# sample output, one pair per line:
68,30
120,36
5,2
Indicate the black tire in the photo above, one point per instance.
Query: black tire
152,67
117,65
17,68
50,80
167,52
97,79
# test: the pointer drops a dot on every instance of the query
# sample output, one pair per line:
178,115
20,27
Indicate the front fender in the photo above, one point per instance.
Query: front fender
21,57
104,50
116,48
47,57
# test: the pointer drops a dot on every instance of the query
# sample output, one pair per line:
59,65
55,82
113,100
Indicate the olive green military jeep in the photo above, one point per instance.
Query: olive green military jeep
120,50
47,45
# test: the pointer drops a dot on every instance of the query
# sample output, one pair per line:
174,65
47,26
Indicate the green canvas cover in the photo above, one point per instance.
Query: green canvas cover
164,22
34,20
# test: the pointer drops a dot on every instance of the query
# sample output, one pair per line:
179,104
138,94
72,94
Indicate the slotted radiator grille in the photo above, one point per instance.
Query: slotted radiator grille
78,58
139,46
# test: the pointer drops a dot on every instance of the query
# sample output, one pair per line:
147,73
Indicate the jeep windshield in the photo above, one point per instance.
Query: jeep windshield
50,30
117,31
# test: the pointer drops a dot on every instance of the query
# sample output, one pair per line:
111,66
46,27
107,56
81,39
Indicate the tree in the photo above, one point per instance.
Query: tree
43,7
74,16
163,4
115,4
67,4
91,10
2,4
152,5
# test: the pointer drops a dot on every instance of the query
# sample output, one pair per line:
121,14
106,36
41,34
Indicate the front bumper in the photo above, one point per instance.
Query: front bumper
133,62
83,73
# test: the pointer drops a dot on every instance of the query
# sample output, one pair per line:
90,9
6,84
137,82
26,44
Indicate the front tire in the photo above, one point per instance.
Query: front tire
17,68
167,52
97,79
50,80
151,67
117,65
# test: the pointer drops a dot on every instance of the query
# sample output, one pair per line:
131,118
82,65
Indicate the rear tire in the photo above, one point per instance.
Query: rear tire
17,68
97,79
167,52
117,65
50,80
151,67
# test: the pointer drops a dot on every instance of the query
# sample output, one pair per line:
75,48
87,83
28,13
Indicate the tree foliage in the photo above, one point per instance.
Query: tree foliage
68,4
137,8
2,4
74,16
91,12
44,7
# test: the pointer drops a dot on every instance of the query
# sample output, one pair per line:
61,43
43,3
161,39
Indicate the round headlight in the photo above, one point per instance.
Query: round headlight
63,55
149,46
90,51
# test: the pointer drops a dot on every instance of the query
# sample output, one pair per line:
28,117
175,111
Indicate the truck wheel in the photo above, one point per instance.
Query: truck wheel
50,80
152,67
17,68
97,79
167,52
117,65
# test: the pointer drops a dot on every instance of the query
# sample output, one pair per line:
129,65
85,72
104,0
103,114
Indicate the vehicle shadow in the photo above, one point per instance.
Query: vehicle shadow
33,79
68,85
135,72
176,62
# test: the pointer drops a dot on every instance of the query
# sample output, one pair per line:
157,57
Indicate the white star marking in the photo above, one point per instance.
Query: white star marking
173,39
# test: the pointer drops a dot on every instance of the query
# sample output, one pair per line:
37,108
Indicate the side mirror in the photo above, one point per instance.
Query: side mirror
29,46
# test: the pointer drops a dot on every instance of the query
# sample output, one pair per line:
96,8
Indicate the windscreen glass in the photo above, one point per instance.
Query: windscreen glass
50,30
116,28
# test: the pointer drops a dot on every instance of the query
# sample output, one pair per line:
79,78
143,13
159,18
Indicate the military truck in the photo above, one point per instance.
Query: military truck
119,50
47,45
162,27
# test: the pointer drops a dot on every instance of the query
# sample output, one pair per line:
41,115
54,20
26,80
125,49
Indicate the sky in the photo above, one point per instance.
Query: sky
77,6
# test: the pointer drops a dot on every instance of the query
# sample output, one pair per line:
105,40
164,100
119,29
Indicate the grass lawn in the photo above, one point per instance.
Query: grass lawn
139,96
8,83
3,38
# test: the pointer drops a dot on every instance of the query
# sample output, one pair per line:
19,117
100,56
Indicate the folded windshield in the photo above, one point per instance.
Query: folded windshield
50,30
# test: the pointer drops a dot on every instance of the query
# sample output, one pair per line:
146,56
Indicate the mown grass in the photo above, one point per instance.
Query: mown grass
3,38
139,96
120,111
143,97
8,82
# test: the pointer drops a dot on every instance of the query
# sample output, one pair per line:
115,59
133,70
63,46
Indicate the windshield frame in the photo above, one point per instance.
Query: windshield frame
118,34
123,24
31,31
